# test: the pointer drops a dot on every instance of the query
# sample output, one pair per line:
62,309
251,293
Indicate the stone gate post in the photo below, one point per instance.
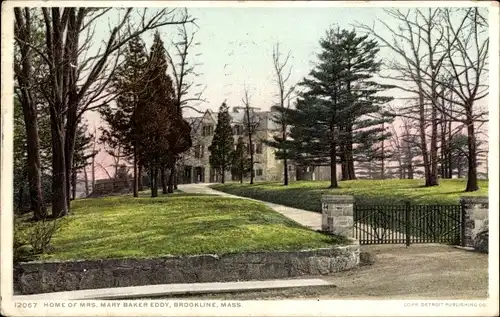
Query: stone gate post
475,222
337,215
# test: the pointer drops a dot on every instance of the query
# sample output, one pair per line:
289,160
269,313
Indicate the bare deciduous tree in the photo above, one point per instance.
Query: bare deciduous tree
251,123
448,53
23,70
282,72
78,82
181,70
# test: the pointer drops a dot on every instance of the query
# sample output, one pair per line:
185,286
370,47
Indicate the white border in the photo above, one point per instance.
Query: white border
263,308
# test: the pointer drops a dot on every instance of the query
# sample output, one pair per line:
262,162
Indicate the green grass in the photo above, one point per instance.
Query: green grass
178,224
307,194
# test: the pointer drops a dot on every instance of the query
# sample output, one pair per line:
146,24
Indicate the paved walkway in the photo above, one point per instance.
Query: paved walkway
306,218
150,291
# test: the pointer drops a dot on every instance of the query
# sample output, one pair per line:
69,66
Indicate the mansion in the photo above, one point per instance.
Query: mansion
195,166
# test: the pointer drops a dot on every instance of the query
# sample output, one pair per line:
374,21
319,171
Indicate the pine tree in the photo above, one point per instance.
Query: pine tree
339,114
156,122
240,163
128,84
222,146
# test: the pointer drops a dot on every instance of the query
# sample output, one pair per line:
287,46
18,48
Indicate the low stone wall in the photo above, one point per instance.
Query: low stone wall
45,277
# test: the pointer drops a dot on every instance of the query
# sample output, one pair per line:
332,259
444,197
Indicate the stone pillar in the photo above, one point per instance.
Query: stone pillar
337,215
475,222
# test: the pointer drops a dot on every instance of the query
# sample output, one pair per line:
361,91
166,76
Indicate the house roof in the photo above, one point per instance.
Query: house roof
236,117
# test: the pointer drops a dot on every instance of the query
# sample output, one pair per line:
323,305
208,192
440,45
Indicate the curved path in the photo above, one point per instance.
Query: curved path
306,218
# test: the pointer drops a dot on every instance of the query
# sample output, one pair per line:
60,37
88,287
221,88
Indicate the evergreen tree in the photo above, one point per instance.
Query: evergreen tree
128,84
222,146
339,113
155,121
240,165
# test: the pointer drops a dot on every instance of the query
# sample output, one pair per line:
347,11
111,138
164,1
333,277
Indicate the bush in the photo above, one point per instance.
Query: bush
33,238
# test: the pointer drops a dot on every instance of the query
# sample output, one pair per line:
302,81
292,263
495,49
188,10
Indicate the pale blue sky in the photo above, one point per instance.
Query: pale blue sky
243,39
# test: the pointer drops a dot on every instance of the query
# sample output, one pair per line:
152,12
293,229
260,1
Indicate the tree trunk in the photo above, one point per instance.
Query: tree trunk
136,176
449,156
351,172
434,150
154,182
333,166
222,176
251,157
33,168
93,171
59,188
86,180
472,184
175,176
285,163
70,77
343,165
73,184
423,139
443,170
163,178
69,148
343,156
382,165
24,76
170,181
140,185
410,170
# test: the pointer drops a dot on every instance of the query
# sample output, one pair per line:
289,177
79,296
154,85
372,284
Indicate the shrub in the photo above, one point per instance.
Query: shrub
33,238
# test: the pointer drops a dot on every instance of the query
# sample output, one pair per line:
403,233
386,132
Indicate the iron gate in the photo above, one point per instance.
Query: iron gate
406,224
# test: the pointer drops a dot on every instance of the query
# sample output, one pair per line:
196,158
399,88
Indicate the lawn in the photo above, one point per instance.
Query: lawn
307,194
178,224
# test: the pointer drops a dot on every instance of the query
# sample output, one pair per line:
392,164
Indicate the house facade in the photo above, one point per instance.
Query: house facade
194,165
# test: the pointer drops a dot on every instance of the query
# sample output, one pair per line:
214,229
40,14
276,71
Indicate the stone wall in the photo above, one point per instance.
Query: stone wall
45,277
476,222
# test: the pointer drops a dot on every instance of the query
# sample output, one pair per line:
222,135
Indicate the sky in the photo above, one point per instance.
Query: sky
236,44
236,47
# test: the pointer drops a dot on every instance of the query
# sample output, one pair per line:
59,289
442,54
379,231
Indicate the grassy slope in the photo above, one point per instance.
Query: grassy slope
307,194
180,224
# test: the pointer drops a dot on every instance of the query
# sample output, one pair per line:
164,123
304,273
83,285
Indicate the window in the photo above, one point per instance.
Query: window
198,151
202,150
259,148
290,168
259,172
237,129
207,130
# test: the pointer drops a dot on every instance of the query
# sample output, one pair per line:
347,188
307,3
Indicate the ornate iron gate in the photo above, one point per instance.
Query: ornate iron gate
406,224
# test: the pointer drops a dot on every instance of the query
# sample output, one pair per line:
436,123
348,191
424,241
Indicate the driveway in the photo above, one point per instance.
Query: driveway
422,271
417,272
